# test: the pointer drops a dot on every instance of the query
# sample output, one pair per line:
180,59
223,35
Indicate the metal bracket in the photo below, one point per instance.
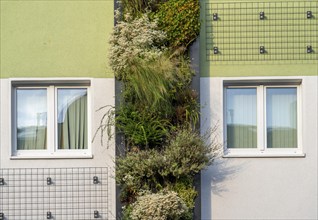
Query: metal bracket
309,14
95,180
96,214
48,215
49,181
215,16
309,49
215,50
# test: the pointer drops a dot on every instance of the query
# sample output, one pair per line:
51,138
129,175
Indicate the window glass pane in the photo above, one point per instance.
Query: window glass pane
72,118
31,119
281,117
241,117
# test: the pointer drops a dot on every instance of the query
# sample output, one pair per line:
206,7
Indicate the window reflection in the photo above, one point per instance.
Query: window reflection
31,119
241,118
281,115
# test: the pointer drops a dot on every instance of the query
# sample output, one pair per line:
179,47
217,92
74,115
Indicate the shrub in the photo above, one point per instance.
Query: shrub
185,189
187,154
127,42
139,171
174,166
159,206
180,20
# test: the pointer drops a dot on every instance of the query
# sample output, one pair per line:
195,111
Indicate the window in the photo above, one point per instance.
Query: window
262,119
50,120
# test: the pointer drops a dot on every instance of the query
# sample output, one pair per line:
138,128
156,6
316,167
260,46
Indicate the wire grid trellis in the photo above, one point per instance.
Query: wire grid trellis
54,193
238,32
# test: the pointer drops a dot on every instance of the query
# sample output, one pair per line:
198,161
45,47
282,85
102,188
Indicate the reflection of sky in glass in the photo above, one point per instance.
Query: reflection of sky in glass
66,97
31,107
281,107
241,106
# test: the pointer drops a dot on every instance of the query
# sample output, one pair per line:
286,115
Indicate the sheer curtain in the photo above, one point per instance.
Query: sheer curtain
72,118
241,117
31,119
281,117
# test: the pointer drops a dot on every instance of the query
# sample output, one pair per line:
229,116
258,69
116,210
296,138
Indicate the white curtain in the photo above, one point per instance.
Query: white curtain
281,117
241,117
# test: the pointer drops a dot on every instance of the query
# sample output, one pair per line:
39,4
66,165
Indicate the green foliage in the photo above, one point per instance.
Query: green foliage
159,110
186,191
184,156
139,171
137,7
142,129
186,153
164,205
180,20
157,84
127,43
127,212
149,84
187,107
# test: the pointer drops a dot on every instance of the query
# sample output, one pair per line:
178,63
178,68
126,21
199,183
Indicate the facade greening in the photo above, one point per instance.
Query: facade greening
258,86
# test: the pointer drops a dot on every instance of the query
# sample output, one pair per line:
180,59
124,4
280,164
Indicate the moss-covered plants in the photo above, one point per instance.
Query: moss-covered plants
159,110
179,19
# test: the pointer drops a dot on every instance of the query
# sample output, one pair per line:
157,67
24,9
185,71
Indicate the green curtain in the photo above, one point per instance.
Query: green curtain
72,131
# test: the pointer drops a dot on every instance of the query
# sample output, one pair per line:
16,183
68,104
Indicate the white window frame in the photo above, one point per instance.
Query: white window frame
261,150
52,150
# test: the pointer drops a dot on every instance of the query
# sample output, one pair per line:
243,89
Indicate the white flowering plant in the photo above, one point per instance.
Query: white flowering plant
163,205
135,38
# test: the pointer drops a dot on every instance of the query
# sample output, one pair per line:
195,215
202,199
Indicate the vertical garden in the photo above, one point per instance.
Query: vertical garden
159,111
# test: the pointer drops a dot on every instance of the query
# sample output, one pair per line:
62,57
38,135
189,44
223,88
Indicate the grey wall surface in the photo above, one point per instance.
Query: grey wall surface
102,93
261,188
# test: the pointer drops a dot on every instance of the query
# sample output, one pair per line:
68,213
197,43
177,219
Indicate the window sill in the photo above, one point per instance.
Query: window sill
28,157
264,155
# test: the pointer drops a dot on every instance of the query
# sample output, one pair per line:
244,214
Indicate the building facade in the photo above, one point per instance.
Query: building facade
258,67
259,79
55,74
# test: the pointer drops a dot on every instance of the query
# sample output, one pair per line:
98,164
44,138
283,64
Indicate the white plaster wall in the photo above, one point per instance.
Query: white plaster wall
261,188
102,94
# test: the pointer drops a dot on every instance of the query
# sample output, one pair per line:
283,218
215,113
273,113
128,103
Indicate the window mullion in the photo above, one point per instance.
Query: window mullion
299,120
261,122
51,119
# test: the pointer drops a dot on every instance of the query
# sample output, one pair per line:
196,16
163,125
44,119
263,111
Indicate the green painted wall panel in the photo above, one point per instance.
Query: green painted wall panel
55,38
259,70
238,33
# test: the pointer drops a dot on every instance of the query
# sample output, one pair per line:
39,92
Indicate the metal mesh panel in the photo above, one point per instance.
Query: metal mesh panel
59,193
262,31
